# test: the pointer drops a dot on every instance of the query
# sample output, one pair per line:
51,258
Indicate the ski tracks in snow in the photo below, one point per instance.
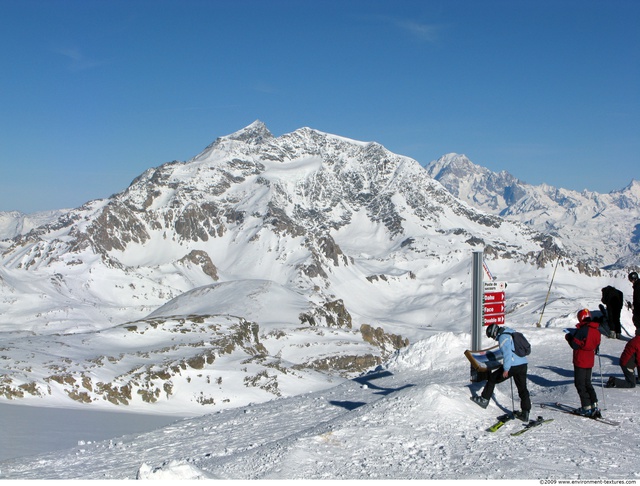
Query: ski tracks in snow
412,421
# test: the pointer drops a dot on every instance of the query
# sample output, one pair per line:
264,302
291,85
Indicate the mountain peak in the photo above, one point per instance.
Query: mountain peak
253,134
454,164
633,187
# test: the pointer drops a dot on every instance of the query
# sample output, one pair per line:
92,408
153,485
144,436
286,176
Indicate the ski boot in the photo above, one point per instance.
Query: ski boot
483,402
583,411
522,415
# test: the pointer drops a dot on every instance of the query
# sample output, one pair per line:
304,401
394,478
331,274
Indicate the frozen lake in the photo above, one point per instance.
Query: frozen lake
26,430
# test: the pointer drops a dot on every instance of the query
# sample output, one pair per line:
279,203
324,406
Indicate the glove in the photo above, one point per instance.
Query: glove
629,306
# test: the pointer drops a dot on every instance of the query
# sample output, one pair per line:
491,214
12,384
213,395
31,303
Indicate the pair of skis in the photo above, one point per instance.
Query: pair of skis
568,409
560,407
503,419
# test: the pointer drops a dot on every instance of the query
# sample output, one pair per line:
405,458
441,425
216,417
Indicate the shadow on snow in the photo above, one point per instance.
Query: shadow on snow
367,380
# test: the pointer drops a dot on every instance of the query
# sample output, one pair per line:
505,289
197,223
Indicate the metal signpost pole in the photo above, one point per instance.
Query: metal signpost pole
476,307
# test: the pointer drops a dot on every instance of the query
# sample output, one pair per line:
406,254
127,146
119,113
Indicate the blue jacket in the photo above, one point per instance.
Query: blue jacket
509,356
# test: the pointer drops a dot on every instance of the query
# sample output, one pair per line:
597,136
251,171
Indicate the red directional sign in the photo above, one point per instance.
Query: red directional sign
494,319
493,297
497,308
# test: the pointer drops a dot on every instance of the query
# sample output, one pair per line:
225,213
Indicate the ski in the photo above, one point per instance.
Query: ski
532,423
561,407
503,419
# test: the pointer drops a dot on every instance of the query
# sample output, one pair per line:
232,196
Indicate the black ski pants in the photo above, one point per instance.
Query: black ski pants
586,392
519,375
629,378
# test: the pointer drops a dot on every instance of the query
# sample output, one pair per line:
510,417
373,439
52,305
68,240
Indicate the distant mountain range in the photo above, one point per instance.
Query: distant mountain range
602,229
265,266
15,223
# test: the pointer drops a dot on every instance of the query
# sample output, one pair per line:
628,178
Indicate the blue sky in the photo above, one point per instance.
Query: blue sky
92,93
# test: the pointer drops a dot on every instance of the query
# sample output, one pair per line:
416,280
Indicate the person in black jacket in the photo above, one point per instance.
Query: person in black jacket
635,304
613,299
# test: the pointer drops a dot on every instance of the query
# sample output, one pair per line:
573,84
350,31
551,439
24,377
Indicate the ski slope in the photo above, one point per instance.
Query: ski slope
409,419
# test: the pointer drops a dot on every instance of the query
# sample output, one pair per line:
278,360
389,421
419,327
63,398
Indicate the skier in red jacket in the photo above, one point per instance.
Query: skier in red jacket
585,340
629,361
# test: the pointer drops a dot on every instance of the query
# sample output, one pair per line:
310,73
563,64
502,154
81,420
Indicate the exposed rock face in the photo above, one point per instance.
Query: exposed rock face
201,259
331,314
389,343
116,227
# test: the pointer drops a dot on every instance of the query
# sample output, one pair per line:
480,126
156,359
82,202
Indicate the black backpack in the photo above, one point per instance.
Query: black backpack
520,343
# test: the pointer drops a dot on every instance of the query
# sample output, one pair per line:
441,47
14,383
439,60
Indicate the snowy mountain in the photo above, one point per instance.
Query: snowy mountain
305,300
14,223
261,267
603,229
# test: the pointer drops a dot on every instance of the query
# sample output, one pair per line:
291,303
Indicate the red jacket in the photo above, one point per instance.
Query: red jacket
584,341
630,357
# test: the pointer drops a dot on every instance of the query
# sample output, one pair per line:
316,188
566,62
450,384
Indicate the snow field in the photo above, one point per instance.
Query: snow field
411,419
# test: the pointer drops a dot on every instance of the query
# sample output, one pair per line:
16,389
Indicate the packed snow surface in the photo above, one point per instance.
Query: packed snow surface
409,419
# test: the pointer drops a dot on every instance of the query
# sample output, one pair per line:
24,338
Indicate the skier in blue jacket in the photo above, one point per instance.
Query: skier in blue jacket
512,366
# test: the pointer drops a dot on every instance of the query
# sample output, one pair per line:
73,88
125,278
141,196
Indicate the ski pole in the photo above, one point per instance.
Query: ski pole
548,292
604,398
513,403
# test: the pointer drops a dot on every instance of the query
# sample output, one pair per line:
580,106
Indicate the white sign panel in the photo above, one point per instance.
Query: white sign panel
495,286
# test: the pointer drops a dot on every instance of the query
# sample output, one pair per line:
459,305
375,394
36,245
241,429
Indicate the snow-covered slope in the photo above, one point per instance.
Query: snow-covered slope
261,267
306,300
409,419
603,229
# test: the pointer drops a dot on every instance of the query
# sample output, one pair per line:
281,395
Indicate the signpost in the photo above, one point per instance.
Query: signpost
493,303
476,301
487,305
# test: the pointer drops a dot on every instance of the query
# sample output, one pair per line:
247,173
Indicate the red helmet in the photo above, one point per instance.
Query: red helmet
584,315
